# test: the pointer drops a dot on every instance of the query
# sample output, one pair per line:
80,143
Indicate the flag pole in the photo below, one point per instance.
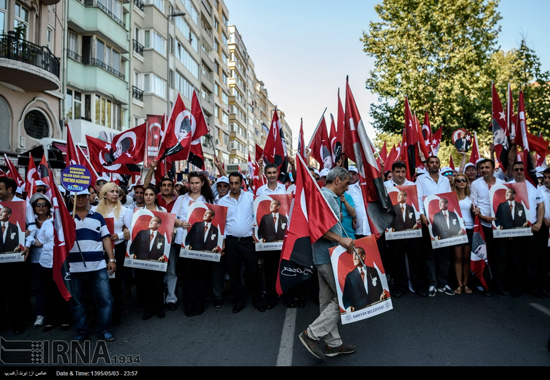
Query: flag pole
316,128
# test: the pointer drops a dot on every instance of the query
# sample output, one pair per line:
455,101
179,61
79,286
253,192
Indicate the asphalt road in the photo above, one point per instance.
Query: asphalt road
463,330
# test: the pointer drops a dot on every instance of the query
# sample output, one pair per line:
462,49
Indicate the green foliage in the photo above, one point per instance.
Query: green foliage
436,52
522,69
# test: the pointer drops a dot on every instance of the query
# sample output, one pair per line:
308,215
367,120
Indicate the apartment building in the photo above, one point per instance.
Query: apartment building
31,72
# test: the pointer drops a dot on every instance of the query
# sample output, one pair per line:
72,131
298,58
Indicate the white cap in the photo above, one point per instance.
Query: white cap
468,165
223,179
352,168
324,173
316,171
41,183
102,179
83,192
18,190
446,169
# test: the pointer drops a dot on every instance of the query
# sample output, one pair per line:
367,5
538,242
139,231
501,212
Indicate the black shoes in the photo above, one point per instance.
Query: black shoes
238,307
171,306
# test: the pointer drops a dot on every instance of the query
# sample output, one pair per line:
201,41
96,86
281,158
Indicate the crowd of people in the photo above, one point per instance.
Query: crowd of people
517,263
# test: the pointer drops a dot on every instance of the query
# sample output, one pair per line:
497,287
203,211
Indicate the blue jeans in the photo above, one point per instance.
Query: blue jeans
98,283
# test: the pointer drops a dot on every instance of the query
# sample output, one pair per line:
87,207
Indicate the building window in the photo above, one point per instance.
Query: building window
5,123
191,11
155,41
3,11
155,85
36,125
186,30
21,20
185,58
107,113
157,3
183,86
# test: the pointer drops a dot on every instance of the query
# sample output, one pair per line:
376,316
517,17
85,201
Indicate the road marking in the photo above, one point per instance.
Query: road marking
541,308
284,358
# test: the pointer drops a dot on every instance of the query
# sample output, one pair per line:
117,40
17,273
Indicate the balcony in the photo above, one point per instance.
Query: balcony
139,4
137,93
98,4
27,66
138,48
104,66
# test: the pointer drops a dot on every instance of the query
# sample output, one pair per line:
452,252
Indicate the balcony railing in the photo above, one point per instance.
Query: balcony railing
137,93
138,48
77,57
103,65
98,4
139,4
19,49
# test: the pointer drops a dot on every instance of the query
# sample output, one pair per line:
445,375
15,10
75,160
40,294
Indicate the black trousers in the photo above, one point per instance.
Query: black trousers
239,252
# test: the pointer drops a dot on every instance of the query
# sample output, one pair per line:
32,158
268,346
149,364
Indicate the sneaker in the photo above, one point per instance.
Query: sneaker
431,291
311,345
341,349
448,291
39,320
107,336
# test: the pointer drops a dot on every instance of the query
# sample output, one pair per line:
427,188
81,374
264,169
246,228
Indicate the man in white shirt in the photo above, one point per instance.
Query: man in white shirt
406,249
544,250
239,244
479,194
522,252
272,186
437,260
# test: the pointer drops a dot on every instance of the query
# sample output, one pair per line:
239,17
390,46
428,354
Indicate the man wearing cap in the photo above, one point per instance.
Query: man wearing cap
88,270
470,170
99,184
41,187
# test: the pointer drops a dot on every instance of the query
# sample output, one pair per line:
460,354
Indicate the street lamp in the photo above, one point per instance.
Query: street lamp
168,17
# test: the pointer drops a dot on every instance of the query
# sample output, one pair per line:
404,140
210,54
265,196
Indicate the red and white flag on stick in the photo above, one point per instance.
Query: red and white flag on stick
377,201
311,218
500,131
479,263
523,141
176,141
320,144
475,156
71,157
64,239
451,162
13,173
200,128
436,142
275,150
301,142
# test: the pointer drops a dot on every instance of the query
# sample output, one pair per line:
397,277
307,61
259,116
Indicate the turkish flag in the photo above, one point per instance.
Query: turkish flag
154,132
392,157
98,151
259,153
128,148
275,147
13,173
377,201
335,143
177,136
301,143
436,141
320,145
451,162
500,131
72,156
311,218
84,161
475,151
31,178
478,262
200,128
64,239
427,133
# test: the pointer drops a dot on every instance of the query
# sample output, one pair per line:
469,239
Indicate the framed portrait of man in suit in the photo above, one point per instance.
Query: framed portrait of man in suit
204,239
149,246
510,206
446,222
406,223
361,283
272,216
462,140
12,238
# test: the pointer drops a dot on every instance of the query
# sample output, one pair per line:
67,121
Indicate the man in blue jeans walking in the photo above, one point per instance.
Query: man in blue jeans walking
88,270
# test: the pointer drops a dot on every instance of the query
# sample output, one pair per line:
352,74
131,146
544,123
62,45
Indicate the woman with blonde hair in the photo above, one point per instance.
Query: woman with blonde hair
109,206
461,186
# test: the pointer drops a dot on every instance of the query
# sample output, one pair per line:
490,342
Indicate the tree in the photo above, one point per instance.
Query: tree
436,52
521,68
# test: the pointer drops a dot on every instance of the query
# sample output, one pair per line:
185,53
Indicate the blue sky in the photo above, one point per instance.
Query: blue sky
303,49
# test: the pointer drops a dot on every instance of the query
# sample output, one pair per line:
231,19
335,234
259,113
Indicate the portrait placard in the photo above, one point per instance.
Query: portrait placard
405,204
12,221
361,282
271,214
510,206
446,223
149,247
462,140
204,239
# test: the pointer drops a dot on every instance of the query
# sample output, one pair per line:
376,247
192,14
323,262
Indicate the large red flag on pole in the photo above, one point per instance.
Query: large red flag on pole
200,128
301,142
275,147
13,173
377,201
64,239
475,151
500,131
71,157
523,142
320,144
177,136
311,218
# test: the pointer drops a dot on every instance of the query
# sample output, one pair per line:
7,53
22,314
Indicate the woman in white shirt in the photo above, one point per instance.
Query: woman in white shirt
109,206
461,186
57,310
196,274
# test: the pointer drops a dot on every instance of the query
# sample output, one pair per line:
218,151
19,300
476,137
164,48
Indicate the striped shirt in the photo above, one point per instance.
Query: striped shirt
89,241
